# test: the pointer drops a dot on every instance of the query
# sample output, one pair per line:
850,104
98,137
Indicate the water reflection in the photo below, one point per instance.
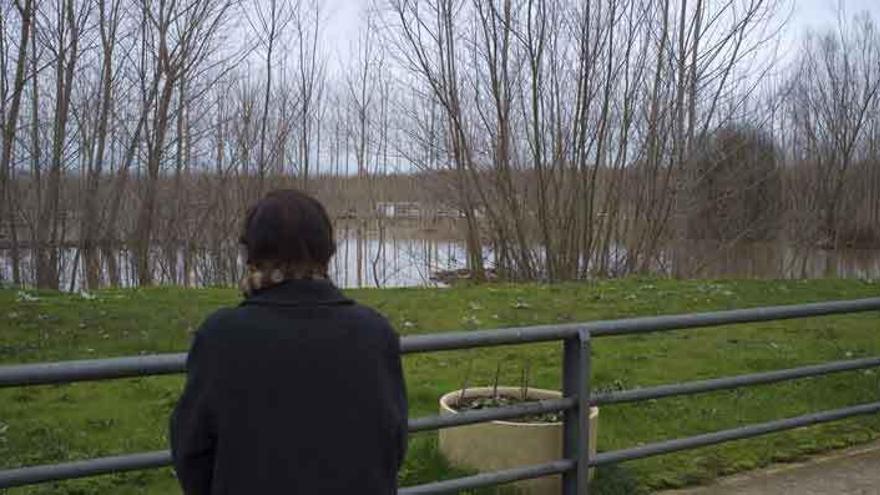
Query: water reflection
383,256
371,254
405,255
703,259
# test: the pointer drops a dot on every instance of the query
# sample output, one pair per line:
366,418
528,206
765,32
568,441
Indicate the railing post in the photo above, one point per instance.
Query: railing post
576,431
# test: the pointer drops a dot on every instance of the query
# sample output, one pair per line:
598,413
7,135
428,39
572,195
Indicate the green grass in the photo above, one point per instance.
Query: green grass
58,423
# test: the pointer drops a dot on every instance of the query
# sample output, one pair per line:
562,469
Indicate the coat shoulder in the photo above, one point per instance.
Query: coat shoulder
217,321
375,319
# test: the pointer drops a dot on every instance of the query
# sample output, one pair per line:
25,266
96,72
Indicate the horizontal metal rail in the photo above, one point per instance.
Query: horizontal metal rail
99,369
740,433
104,465
91,369
81,469
490,479
160,364
697,387
543,333
78,469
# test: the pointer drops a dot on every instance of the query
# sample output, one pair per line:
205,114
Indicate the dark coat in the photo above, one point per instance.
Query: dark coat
296,391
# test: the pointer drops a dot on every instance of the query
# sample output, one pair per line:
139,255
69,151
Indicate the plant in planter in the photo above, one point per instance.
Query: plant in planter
507,444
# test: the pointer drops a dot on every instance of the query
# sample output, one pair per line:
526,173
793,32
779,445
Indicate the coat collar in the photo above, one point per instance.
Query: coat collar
301,292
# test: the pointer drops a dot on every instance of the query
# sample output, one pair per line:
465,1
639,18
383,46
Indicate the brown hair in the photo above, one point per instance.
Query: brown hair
288,228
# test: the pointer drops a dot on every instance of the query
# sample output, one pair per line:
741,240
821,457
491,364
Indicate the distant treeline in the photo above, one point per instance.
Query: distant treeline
573,139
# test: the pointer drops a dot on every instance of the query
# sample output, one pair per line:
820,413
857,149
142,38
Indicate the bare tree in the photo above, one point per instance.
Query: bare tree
109,21
269,23
310,81
64,47
182,37
835,90
427,46
11,111
568,139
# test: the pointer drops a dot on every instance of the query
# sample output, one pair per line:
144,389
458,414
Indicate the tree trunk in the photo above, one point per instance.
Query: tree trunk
10,125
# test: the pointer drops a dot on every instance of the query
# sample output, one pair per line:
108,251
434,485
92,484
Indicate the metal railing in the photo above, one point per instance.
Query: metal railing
575,403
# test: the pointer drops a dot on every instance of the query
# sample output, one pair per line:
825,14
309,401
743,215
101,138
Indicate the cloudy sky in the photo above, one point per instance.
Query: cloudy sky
343,23
822,13
343,20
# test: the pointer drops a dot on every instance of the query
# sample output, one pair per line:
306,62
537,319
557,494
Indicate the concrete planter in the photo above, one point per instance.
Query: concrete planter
505,444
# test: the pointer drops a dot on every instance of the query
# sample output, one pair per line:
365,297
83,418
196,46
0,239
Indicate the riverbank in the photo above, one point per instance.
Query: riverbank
57,423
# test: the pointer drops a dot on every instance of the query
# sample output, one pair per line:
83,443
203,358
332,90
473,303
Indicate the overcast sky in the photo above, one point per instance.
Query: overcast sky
344,21
823,13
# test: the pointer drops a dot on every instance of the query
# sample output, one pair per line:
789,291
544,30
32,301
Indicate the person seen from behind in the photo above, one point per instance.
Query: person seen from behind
298,389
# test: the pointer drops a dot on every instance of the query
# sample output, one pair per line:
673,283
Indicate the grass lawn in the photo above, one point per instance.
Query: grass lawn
66,422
